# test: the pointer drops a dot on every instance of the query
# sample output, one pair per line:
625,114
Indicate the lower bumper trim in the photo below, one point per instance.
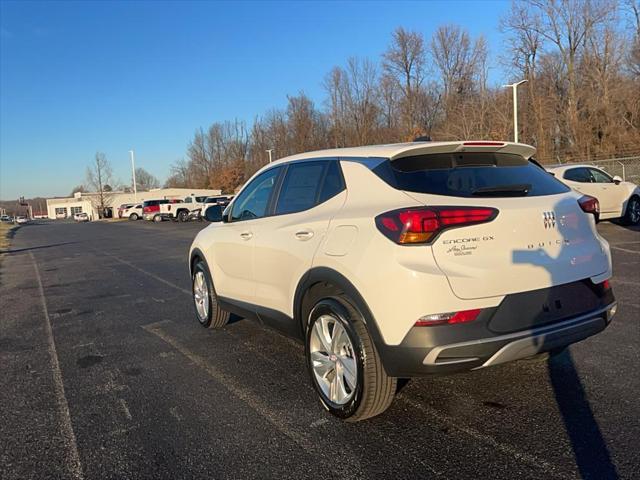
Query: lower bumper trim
522,344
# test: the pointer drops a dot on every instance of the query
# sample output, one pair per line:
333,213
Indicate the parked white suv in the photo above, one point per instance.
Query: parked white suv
133,212
617,198
403,260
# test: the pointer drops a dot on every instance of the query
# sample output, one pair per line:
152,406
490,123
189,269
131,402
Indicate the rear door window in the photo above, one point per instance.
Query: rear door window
307,184
333,182
300,187
469,174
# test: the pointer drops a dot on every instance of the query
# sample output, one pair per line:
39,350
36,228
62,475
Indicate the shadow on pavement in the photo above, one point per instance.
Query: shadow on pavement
26,249
589,446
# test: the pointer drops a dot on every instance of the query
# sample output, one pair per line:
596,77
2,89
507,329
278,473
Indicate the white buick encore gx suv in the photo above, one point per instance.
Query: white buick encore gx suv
403,260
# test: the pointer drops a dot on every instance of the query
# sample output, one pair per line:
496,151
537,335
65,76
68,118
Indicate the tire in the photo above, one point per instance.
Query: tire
372,390
632,213
133,217
157,218
208,311
183,216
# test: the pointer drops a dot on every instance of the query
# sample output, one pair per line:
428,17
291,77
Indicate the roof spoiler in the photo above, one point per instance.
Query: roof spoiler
525,151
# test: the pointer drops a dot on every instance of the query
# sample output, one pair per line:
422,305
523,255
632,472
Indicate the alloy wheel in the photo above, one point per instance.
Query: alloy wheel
333,360
201,295
634,211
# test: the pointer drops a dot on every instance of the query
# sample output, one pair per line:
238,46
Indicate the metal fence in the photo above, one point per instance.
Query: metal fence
627,167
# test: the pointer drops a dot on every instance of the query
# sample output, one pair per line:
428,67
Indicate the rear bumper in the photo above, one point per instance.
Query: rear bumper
413,358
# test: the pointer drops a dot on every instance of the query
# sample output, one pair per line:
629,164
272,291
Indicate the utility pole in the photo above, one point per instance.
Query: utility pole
269,152
514,87
133,173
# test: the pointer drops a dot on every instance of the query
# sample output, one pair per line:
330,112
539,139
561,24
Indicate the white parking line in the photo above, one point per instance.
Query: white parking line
491,442
152,275
252,400
125,408
73,461
212,371
625,249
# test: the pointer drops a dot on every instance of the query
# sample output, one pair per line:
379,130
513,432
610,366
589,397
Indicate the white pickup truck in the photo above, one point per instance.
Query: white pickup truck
180,210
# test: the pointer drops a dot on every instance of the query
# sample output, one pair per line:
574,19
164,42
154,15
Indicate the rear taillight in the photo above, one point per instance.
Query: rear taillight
423,225
463,316
589,204
603,286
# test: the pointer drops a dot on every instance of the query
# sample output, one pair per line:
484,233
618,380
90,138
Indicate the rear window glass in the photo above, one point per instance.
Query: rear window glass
300,187
469,174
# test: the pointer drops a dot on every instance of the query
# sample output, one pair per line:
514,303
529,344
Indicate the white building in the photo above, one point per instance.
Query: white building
89,202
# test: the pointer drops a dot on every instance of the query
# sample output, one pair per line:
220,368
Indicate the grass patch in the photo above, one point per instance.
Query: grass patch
5,235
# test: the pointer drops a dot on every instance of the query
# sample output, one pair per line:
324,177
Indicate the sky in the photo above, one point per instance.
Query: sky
82,77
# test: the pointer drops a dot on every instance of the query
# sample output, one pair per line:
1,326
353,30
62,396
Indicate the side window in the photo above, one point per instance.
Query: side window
188,200
599,176
578,175
300,187
254,199
333,183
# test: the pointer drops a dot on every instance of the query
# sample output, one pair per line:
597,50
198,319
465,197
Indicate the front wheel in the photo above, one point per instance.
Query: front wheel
632,214
183,216
205,300
343,363
157,218
133,216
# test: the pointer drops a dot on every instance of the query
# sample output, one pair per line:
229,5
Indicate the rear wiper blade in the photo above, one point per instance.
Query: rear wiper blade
508,190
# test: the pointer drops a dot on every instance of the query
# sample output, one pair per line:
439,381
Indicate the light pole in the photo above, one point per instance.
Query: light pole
133,172
514,86
269,152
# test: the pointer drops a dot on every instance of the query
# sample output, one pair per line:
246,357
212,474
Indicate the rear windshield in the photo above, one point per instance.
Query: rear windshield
469,174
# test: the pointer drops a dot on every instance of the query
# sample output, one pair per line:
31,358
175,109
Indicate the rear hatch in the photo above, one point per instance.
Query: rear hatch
533,243
540,236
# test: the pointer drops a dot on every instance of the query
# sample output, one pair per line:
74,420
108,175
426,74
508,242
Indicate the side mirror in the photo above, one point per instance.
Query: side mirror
213,213
617,180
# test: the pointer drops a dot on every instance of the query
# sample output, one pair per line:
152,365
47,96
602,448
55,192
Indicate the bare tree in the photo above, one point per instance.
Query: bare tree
145,181
77,189
405,61
459,61
582,99
99,178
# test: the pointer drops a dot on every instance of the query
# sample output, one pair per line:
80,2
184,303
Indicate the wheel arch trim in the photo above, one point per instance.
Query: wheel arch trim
324,274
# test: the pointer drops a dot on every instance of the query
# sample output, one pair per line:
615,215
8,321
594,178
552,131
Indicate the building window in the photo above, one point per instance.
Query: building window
75,210
61,212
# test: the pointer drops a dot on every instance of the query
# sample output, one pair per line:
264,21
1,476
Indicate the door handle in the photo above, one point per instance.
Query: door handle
304,234
246,235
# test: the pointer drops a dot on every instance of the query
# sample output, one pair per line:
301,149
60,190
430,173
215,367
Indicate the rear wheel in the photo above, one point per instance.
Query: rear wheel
133,216
183,215
208,311
632,214
343,363
157,218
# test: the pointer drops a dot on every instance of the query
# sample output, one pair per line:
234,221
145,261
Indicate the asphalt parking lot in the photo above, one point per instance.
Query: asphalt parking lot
105,373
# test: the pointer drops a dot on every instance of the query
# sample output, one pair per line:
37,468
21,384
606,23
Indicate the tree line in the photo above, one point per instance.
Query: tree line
581,60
